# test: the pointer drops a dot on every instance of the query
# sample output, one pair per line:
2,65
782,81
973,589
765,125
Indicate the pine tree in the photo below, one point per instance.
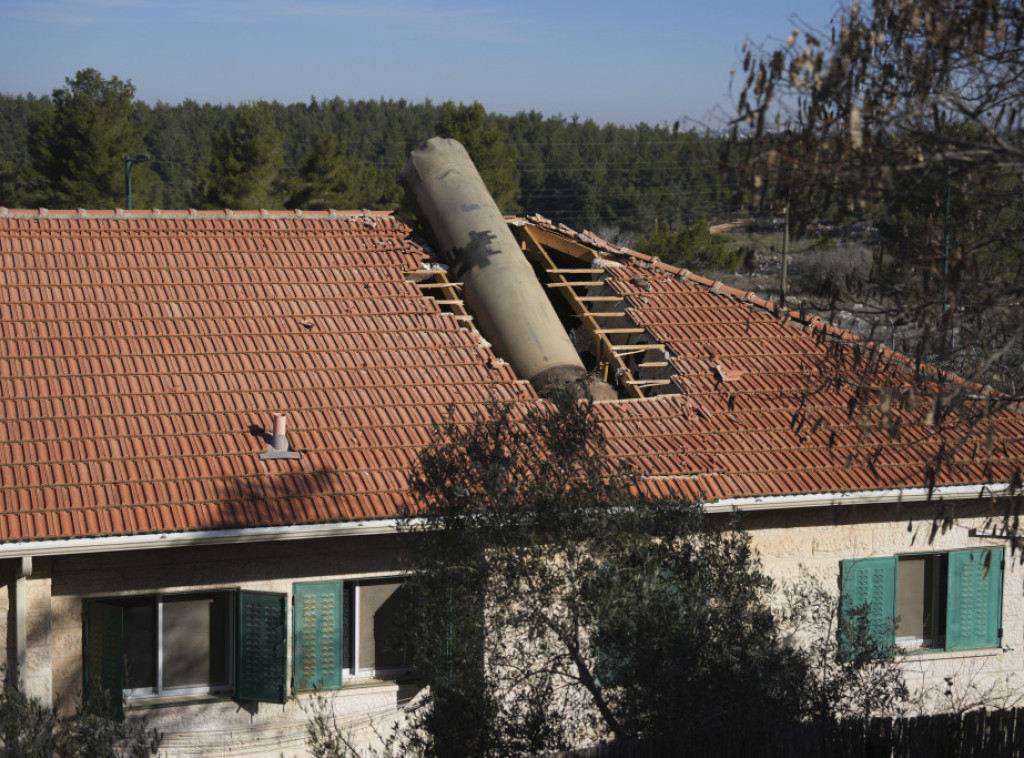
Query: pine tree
78,147
328,179
247,161
490,148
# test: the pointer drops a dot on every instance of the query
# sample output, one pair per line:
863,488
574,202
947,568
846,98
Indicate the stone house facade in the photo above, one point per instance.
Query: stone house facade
961,629
61,589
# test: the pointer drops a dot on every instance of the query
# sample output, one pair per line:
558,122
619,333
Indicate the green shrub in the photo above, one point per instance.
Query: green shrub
694,247
29,729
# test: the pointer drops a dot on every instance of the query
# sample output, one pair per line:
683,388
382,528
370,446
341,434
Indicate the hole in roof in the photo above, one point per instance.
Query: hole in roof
610,344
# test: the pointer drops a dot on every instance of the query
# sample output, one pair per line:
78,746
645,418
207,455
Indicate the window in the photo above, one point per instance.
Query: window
177,644
204,643
921,582
931,601
350,629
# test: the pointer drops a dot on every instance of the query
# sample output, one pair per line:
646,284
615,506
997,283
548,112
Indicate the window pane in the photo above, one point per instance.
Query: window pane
220,639
140,646
195,637
383,609
348,637
920,596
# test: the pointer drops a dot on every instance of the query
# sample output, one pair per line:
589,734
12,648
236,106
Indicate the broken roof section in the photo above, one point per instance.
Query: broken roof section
145,353
499,285
759,406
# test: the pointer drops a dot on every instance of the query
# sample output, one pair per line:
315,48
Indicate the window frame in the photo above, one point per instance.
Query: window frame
255,649
387,672
159,690
872,583
328,670
940,600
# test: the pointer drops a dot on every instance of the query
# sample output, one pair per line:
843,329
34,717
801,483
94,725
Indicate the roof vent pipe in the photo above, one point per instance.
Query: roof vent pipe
278,449
469,233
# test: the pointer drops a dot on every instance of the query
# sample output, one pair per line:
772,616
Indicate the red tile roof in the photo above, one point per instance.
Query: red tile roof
773,404
144,352
138,350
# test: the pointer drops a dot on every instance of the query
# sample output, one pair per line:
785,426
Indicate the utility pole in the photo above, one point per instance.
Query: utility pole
945,236
784,284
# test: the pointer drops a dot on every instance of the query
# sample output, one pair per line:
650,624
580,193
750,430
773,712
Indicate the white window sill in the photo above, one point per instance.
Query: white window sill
165,701
936,654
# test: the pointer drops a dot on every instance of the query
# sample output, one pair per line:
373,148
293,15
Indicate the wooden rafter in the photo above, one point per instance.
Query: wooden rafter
445,292
609,360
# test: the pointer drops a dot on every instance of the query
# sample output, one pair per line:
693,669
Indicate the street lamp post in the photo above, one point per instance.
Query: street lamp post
130,161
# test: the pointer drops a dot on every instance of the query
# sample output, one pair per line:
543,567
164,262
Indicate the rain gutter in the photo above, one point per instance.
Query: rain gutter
864,497
121,543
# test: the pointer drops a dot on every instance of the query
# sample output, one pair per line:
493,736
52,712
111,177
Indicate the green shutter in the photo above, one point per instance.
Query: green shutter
103,667
261,646
868,605
317,632
974,607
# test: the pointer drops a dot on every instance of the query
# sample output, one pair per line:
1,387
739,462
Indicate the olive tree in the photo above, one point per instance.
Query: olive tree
561,605
558,605
907,118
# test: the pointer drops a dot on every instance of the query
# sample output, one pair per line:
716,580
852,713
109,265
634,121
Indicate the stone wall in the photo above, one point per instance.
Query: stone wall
221,727
39,630
36,675
812,543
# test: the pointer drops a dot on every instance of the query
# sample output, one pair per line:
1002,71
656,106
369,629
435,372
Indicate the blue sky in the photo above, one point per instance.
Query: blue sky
625,62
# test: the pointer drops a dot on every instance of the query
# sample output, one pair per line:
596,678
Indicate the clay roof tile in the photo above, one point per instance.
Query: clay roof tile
135,368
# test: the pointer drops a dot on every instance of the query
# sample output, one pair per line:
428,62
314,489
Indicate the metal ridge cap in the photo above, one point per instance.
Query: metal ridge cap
861,497
148,541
